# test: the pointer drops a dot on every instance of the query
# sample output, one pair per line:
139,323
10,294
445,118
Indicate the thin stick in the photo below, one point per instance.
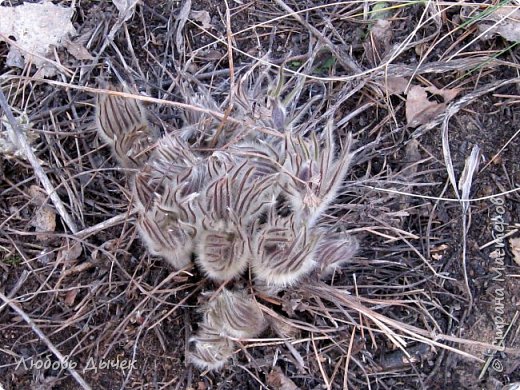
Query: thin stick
38,170
64,361
106,224
149,99
347,358
318,360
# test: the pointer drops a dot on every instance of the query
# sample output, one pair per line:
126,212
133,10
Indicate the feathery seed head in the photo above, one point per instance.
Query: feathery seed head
235,315
267,158
239,194
210,351
278,115
198,126
283,251
144,188
121,123
174,151
182,203
257,202
223,252
164,236
314,174
334,250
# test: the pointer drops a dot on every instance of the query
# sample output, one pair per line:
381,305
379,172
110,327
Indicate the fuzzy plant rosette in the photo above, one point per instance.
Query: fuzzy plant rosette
245,197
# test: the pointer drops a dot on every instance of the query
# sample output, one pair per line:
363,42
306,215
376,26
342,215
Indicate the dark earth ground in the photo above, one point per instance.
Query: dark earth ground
113,302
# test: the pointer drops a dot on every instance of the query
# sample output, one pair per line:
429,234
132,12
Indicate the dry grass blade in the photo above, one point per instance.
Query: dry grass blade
465,185
467,175
392,328
459,104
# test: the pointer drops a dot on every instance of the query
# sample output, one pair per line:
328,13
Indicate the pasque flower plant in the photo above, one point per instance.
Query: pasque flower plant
254,203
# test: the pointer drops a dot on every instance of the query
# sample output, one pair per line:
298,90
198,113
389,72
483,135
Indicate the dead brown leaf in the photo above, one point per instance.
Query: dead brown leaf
420,109
203,18
396,85
77,50
44,220
278,381
71,253
37,194
70,297
447,94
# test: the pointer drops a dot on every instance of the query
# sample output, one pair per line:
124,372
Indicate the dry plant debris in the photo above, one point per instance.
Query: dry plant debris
33,31
9,145
504,21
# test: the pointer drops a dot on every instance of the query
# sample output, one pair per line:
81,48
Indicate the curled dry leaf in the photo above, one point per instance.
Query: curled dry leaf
70,297
203,18
36,28
180,22
420,109
77,50
44,218
37,194
380,33
380,37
